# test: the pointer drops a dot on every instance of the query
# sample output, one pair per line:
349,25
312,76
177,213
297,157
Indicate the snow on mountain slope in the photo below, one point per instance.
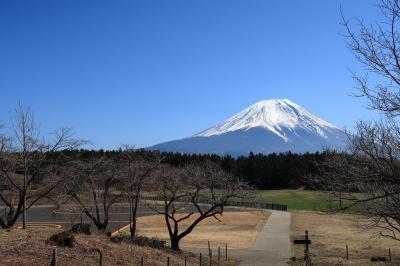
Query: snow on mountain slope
268,126
274,115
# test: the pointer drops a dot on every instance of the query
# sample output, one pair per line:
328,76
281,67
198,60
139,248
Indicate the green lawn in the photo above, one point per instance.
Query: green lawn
297,199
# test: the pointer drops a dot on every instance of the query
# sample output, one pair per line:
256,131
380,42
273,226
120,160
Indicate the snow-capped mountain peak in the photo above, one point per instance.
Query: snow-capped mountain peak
268,126
275,115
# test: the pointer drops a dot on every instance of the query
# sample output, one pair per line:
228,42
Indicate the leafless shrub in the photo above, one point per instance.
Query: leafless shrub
63,239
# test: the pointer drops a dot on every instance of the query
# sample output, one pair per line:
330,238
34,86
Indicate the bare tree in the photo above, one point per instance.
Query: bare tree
138,167
376,47
25,173
93,184
367,178
192,194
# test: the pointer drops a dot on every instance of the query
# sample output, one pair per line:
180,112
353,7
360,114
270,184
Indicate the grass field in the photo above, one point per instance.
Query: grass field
329,234
297,199
237,229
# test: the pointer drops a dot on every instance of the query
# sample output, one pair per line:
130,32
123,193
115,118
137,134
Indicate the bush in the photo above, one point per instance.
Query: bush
149,242
81,228
377,258
140,241
64,239
117,239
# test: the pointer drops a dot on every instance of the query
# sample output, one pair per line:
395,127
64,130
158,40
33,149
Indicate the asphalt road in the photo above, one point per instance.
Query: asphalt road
119,217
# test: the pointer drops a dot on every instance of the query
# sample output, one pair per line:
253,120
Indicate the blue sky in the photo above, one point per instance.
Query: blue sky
144,72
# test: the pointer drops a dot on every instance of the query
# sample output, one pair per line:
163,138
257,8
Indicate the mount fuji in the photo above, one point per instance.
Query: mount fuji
268,126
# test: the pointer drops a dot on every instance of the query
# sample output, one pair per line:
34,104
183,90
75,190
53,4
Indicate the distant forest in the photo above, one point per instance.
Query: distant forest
273,171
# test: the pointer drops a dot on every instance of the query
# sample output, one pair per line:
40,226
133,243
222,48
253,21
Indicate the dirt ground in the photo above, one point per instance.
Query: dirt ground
237,229
329,234
30,247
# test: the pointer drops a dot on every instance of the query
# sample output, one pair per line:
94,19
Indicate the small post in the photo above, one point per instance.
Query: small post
347,252
210,253
200,260
142,261
219,256
390,256
226,251
307,243
100,257
54,259
185,260
306,247
167,261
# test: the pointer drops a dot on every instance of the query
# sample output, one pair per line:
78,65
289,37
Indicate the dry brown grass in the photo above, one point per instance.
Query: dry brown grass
329,234
238,229
30,247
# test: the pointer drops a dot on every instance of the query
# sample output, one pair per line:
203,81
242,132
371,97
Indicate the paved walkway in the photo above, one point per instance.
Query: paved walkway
273,244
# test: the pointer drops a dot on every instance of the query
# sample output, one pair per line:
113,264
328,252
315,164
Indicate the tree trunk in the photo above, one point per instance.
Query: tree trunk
101,226
11,219
133,228
133,212
175,243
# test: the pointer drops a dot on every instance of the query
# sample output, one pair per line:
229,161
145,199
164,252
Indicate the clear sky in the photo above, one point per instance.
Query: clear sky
144,72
